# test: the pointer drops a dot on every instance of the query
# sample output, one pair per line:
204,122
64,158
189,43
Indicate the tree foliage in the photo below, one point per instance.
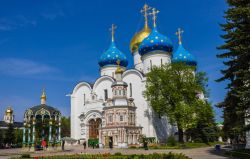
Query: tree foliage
172,90
10,134
65,126
236,55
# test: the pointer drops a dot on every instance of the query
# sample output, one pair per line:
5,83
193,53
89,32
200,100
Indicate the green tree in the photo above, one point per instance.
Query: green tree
1,137
10,134
236,52
172,90
18,136
65,127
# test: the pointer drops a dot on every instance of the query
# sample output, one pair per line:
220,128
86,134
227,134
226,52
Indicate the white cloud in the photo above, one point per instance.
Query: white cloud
19,67
19,21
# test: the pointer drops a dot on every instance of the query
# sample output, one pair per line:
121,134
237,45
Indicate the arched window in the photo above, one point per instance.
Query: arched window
130,89
105,94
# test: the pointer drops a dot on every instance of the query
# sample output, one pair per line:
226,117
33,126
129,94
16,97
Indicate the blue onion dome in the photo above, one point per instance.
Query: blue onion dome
111,56
155,41
182,55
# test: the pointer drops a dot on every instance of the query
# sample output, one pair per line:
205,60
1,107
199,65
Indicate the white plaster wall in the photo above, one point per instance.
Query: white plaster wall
109,70
77,105
137,61
157,58
100,85
136,80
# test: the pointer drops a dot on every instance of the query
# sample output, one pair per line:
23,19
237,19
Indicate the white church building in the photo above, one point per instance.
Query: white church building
121,114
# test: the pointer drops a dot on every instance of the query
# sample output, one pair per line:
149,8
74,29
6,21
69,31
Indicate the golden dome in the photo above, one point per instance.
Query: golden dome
9,110
138,38
118,70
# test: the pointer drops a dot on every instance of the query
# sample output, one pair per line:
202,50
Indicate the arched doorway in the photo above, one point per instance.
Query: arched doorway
94,128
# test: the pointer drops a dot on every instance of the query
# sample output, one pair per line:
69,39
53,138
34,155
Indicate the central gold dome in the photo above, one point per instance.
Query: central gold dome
138,38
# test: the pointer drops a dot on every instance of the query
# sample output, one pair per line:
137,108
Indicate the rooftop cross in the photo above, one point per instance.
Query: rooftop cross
178,33
112,29
154,14
145,10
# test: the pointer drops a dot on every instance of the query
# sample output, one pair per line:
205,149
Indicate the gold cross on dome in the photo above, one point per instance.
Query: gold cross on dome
144,11
154,14
112,29
179,33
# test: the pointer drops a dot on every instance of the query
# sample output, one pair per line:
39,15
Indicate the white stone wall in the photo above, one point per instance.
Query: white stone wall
109,71
155,58
137,61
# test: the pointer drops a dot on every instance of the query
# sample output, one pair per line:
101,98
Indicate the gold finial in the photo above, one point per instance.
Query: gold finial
178,33
145,10
112,29
154,14
43,97
119,69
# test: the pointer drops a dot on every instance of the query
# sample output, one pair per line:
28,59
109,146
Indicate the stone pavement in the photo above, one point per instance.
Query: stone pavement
196,153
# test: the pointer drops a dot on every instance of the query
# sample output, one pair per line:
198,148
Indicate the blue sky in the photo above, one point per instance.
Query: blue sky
56,44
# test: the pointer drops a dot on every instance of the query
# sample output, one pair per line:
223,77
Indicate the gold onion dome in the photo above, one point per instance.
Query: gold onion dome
119,69
9,110
141,35
138,38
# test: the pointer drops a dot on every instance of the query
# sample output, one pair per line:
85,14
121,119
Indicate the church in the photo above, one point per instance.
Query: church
113,108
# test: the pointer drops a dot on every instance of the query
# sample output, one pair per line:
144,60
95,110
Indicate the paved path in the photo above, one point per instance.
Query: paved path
197,153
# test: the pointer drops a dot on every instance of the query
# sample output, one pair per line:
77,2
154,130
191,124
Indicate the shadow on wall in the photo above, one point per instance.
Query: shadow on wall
162,128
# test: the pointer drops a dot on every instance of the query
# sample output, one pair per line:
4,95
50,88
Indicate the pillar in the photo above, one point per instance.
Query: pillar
59,129
50,129
33,131
24,136
29,134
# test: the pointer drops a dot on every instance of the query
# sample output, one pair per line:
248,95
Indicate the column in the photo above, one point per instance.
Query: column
33,131
24,137
29,134
50,130
59,129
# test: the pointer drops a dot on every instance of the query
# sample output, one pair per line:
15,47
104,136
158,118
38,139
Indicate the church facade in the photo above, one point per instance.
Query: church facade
113,107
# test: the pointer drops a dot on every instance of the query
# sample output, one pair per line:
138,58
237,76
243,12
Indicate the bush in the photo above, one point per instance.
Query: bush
171,141
25,156
118,154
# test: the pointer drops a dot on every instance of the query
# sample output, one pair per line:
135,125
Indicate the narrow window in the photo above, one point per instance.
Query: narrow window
113,74
121,117
161,62
110,118
120,92
150,64
130,88
105,94
84,98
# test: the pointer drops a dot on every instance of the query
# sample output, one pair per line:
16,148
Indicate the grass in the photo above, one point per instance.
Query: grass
241,154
